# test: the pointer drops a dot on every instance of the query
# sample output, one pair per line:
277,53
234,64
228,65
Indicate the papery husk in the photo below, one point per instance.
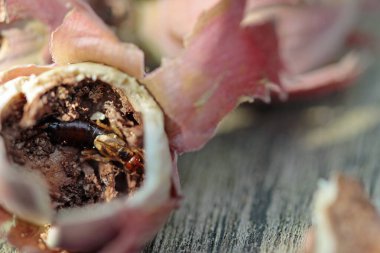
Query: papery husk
24,42
25,30
344,219
313,43
163,25
124,224
82,36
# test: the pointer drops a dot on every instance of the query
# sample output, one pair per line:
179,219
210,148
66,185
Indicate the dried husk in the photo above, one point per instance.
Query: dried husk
344,219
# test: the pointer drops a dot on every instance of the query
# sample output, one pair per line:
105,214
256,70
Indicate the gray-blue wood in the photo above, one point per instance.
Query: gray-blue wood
251,190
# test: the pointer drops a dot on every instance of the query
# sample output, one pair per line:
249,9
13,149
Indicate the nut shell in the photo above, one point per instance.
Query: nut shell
152,201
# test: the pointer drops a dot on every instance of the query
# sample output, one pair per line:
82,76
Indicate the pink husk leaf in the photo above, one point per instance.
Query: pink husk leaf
51,12
312,37
222,63
25,28
163,25
24,43
84,37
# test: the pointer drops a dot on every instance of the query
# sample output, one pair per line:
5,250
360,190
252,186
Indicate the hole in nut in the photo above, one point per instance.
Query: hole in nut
87,143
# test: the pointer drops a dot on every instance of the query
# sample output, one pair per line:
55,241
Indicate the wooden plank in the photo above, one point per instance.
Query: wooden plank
251,190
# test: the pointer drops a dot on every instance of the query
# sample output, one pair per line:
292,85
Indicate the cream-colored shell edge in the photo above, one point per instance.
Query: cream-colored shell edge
158,163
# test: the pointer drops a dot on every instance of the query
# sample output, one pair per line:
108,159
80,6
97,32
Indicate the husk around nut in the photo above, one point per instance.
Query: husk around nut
74,228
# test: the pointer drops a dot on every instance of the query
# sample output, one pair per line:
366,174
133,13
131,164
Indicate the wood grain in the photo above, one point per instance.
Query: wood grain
251,190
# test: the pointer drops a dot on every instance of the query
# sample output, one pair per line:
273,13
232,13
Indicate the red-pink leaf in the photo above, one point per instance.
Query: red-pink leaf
222,64
163,25
24,43
312,37
51,12
84,37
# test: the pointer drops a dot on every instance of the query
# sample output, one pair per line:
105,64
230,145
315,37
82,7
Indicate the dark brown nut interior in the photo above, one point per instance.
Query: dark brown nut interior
88,143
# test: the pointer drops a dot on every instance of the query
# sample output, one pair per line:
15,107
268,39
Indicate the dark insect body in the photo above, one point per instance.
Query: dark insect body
86,135
75,133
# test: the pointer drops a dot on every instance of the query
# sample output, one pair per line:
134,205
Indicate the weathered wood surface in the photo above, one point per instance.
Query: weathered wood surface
251,190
